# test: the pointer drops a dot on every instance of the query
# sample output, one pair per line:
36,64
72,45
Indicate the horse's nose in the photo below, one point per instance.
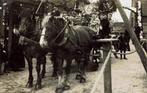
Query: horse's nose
16,31
41,44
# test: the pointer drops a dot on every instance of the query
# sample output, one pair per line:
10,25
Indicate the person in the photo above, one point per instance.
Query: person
127,39
105,24
3,59
76,7
95,23
122,45
116,46
137,30
85,19
103,7
17,60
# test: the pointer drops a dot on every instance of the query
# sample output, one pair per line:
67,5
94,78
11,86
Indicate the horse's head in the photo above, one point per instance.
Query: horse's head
27,23
52,26
23,25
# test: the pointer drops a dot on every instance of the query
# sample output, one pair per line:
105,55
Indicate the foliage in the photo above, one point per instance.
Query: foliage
67,5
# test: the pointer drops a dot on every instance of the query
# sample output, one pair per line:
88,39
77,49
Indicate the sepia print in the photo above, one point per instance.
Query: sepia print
73,46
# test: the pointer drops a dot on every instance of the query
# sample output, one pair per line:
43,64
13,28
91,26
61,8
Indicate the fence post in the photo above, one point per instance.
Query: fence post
107,72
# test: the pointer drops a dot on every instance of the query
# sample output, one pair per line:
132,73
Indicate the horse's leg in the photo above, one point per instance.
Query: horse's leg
38,69
53,59
78,76
30,68
60,87
67,74
82,69
54,74
44,67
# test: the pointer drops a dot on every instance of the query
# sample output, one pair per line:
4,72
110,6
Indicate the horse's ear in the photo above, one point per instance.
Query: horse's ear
51,19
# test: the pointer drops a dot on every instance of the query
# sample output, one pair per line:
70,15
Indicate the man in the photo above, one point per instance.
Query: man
123,45
137,30
127,40
3,59
16,58
105,31
116,46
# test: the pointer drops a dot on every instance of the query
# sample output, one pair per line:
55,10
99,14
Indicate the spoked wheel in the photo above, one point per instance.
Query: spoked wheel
96,55
95,59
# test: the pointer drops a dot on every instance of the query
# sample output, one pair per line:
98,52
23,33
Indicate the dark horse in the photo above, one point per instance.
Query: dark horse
29,38
67,43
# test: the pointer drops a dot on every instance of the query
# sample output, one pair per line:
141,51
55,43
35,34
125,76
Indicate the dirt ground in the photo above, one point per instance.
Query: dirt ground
128,76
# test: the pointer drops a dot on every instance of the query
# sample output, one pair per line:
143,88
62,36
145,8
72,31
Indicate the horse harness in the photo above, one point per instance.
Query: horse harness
65,31
66,37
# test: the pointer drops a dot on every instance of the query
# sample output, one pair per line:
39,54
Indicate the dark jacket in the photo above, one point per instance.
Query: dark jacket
122,42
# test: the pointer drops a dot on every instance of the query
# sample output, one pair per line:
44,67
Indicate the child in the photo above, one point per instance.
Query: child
123,45
115,45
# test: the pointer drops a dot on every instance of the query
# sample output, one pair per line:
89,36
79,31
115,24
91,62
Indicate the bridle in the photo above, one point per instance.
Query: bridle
62,31
59,34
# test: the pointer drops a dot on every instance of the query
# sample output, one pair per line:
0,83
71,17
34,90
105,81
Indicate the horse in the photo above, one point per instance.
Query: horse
29,38
68,43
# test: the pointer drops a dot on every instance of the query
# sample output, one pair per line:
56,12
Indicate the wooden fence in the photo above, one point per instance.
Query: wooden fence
106,67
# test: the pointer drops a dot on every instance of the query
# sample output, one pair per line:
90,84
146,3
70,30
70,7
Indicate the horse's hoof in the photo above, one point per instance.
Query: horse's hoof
54,75
66,87
29,85
38,86
82,80
78,77
43,75
59,90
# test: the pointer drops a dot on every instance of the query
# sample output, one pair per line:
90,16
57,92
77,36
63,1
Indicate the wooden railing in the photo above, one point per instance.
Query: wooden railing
106,71
106,67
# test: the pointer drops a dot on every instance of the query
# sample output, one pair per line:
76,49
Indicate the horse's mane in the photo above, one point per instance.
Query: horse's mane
45,20
59,20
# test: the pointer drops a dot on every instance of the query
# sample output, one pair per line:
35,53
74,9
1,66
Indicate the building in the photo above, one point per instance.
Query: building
143,17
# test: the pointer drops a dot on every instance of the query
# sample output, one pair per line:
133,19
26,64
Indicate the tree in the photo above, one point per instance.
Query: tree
107,6
67,5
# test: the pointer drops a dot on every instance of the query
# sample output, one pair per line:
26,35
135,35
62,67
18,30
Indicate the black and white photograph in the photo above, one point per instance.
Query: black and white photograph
73,46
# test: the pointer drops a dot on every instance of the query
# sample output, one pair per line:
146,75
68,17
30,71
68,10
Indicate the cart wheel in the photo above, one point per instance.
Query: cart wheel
94,59
95,55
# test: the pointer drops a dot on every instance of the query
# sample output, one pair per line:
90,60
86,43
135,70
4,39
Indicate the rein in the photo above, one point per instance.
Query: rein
58,35
66,31
61,31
